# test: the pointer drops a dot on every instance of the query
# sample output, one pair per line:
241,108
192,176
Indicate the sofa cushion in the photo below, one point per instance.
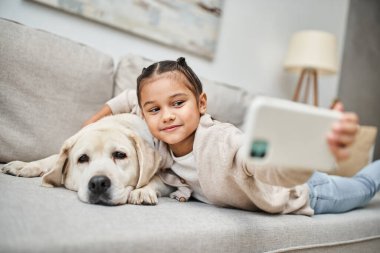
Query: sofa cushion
39,219
226,103
49,86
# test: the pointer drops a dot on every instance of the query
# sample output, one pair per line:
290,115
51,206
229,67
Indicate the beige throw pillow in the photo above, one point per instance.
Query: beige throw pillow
361,152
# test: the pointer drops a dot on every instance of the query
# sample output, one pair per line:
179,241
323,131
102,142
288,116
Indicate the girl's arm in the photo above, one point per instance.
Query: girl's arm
125,102
105,111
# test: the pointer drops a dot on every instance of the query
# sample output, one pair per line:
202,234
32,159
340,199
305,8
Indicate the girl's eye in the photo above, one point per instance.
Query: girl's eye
119,155
154,109
83,159
178,103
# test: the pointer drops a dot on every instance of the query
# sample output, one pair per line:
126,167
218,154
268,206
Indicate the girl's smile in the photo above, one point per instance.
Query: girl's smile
171,128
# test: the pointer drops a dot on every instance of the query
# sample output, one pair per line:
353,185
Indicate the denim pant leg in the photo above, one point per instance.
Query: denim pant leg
335,194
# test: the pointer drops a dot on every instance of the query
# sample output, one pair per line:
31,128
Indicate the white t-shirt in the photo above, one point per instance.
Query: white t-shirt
184,167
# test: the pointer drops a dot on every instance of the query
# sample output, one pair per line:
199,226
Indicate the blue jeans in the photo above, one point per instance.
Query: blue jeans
335,194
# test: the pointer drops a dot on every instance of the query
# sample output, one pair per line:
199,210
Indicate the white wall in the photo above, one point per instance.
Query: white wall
252,44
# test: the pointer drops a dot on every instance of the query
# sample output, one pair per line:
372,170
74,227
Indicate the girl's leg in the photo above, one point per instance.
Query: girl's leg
335,194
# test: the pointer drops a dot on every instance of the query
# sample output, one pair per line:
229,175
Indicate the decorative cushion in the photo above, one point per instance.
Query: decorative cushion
48,86
226,103
360,152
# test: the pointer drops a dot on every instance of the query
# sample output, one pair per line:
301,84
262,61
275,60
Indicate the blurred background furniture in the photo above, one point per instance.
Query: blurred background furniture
311,53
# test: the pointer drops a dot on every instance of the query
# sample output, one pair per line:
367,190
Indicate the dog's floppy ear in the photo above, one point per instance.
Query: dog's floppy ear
56,175
149,160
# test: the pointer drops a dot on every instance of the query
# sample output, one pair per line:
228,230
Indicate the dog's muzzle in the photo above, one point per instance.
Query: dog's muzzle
98,190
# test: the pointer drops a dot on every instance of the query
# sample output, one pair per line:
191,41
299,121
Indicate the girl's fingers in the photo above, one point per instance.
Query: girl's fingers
337,106
347,125
350,117
340,152
343,135
343,132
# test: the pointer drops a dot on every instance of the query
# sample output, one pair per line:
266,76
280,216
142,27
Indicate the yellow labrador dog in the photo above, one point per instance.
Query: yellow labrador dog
109,162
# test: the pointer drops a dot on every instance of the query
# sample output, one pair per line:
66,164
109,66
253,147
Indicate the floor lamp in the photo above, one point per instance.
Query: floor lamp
311,53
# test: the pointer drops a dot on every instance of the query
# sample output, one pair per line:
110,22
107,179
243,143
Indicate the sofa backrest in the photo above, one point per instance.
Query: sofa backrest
48,86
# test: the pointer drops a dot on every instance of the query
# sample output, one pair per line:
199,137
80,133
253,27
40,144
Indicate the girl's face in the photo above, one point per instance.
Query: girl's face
172,113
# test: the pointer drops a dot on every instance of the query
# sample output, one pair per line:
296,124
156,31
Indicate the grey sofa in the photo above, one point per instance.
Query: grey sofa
48,86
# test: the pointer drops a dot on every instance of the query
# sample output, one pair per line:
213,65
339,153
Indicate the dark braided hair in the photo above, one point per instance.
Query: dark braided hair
161,67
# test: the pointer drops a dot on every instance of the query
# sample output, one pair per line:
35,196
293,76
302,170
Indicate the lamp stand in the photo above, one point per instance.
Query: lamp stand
309,74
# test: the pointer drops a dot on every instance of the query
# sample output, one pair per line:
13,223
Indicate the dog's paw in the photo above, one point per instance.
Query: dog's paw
178,195
145,196
22,169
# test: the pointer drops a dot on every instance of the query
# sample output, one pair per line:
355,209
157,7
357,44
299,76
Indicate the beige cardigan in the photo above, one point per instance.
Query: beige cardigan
225,177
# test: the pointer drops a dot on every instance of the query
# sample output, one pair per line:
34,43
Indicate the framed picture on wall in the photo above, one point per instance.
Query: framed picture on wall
189,25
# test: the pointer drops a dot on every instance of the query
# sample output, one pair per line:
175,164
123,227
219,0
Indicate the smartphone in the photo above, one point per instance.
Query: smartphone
289,134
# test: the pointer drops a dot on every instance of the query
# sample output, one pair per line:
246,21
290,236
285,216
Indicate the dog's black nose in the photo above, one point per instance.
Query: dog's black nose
99,184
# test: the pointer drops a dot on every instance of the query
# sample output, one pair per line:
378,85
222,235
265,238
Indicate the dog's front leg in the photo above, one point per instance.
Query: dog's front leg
30,169
149,194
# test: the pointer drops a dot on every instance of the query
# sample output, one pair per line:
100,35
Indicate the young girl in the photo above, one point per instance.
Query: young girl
206,156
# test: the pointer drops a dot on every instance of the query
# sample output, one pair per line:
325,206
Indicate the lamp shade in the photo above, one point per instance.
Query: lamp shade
312,49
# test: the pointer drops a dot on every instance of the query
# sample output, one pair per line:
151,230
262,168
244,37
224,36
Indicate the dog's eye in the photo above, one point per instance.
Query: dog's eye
83,158
119,155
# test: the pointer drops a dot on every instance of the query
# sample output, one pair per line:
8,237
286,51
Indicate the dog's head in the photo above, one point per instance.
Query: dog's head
103,163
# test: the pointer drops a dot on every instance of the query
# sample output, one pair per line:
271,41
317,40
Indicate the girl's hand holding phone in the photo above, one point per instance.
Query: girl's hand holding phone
343,132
